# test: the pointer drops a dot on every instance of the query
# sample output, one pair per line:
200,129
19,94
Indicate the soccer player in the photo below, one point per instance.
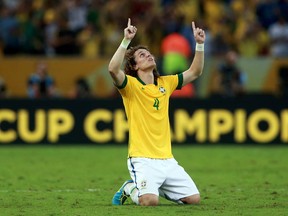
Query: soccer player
154,171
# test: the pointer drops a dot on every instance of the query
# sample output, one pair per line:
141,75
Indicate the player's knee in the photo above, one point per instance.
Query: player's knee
148,200
194,199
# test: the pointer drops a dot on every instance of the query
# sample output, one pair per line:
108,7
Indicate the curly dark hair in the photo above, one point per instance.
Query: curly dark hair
130,62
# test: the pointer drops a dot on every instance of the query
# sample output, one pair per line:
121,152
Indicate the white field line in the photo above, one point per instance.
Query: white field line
51,191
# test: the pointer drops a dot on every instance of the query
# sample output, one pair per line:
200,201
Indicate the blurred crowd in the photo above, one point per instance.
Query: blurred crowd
93,28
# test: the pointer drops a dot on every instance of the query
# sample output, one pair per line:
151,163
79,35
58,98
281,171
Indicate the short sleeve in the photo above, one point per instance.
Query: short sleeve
180,81
125,88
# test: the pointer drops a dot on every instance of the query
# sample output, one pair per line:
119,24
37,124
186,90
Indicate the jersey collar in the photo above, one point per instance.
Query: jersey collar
143,83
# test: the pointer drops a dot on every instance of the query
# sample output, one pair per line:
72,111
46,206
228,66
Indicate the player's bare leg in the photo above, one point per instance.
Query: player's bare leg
194,199
149,200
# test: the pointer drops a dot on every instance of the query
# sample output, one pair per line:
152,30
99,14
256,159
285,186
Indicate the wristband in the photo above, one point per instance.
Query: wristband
199,47
125,43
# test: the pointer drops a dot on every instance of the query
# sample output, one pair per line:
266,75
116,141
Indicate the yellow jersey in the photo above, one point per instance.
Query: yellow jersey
146,108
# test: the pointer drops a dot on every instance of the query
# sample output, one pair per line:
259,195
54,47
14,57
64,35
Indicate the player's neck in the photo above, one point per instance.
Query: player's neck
146,77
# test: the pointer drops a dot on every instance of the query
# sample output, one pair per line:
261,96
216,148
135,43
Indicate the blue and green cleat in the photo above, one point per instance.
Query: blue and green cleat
120,196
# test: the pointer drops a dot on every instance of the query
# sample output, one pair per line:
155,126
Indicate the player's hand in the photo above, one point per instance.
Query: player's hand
129,31
199,34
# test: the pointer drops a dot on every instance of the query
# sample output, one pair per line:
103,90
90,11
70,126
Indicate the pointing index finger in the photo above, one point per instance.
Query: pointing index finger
129,22
193,26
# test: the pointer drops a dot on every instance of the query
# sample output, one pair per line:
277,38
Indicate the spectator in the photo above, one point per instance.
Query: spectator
65,42
283,81
176,53
266,12
278,33
254,41
77,13
11,4
89,41
32,36
40,84
9,32
50,26
230,79
81,89
3,89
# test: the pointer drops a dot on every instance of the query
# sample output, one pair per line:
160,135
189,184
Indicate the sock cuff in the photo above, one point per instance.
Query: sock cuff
131,191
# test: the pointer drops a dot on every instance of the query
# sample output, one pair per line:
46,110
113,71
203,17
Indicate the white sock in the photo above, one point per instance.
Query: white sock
134,195
130,189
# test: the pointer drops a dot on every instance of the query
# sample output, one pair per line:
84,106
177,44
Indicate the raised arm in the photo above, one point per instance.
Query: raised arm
114,67
196,68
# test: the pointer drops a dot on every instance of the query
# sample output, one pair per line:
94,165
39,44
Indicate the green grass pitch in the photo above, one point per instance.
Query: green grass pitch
81,180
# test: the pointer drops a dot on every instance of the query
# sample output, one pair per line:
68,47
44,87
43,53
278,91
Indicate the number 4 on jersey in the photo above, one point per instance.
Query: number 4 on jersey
156,104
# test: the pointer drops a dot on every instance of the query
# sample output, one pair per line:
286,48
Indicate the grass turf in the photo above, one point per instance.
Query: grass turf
81,180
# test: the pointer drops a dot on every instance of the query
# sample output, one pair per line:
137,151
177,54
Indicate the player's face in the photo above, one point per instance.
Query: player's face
144,60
